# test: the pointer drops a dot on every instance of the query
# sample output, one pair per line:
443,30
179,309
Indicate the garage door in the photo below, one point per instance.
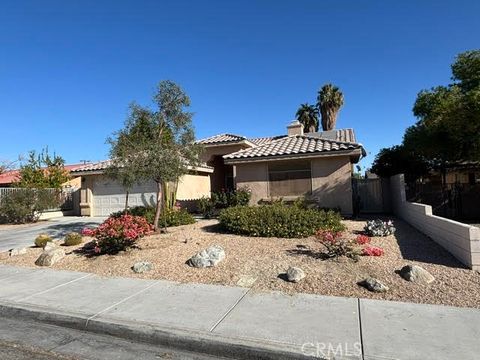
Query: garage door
109,196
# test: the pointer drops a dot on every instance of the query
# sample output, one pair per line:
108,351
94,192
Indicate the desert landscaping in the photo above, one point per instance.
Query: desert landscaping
261,263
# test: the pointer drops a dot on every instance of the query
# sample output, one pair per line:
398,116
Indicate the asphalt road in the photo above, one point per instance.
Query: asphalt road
29,340
23,236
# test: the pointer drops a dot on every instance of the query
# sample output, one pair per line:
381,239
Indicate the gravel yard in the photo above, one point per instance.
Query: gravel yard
260,262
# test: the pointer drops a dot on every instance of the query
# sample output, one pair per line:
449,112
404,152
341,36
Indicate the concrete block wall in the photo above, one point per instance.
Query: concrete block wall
461,240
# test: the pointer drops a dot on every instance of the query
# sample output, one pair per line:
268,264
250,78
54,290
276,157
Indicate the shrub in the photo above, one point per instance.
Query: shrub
118,233
209,207
363,240
42,239
176,217
336,246
278,220
26,205
379,228
372,251
72,239
170,217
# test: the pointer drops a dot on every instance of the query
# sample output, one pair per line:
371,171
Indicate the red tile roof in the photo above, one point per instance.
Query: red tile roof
11,176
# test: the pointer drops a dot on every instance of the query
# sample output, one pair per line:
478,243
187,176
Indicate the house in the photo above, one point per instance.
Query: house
100,195
8,178
316,166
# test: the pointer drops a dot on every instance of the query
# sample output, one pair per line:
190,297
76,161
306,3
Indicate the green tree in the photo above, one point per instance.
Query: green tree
448,126
42,171
157,145
329,101
398,160
308,115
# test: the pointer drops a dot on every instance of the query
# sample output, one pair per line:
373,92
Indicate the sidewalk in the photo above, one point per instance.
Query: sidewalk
233,321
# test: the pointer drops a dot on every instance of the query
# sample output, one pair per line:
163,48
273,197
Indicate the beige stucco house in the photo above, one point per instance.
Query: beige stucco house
100,195
315,166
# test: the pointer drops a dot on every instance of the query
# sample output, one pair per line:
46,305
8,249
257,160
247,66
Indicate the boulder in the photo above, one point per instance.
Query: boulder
142,266
211,256
50,256
373,285
18,251
416,274
295,274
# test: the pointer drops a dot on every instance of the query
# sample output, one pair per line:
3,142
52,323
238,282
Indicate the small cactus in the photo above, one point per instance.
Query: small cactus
42,240
72,239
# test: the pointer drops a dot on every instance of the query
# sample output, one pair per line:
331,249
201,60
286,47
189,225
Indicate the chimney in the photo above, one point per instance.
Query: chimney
295,128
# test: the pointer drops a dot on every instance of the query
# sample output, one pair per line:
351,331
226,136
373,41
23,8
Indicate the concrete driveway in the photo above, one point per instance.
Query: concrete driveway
24,236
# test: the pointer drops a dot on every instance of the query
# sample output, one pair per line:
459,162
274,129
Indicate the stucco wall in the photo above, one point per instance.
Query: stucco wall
255,177
331,182
461,240
193,186
211,151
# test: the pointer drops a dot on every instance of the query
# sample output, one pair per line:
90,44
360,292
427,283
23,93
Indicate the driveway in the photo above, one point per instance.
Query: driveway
56,228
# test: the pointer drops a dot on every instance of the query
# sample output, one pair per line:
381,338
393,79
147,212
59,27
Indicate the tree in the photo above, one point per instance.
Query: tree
6,165
448,126
42,171
329,101
398,160
308,115
157,145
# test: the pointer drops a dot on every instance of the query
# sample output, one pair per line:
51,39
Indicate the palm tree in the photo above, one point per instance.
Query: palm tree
308,115
329,101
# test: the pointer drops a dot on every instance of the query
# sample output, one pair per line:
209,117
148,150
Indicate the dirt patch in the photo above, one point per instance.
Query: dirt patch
260,262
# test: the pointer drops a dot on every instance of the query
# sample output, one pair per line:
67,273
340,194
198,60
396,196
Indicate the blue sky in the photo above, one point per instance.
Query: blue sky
69,69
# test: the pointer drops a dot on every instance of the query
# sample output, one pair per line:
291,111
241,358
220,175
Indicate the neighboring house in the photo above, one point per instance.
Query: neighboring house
8,178
100,195
316,166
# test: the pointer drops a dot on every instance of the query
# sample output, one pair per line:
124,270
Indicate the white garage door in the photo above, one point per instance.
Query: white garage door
109,196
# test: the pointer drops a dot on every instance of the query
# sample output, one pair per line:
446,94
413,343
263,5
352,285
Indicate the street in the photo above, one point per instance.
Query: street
28,340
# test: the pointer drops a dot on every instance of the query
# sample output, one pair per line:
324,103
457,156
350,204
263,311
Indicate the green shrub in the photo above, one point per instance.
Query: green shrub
209,207
278,220
172,217
176,217
42,239
72,239
26,205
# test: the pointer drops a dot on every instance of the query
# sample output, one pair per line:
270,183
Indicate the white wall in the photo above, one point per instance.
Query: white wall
461,240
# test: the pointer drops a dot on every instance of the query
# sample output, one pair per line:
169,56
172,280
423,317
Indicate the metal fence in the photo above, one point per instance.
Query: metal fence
453,200
65,197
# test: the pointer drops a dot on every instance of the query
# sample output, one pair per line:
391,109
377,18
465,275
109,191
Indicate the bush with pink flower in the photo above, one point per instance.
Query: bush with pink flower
372,251
118,233
363,239
335,245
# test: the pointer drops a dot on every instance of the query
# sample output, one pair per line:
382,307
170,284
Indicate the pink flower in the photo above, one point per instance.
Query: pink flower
363,239
372,251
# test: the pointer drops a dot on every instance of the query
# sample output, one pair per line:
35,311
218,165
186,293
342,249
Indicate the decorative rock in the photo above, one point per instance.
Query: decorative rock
50,256
50,246
18,251
416,274
142,266
373,285
208,257
295,274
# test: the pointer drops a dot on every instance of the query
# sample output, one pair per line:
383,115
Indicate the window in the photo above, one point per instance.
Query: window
290,178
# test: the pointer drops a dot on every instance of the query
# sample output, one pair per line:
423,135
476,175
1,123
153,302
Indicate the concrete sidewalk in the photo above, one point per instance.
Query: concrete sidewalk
233,321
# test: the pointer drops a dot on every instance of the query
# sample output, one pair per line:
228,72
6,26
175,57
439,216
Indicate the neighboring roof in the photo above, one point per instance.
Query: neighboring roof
294,145
99,167
222,139
13,175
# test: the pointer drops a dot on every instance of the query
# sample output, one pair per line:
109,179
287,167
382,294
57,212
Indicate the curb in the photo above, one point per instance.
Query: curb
200,342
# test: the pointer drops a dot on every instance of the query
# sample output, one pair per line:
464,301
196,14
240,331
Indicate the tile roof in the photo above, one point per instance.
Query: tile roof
292,145
265,140
13,175
222,138
98,166
344,135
